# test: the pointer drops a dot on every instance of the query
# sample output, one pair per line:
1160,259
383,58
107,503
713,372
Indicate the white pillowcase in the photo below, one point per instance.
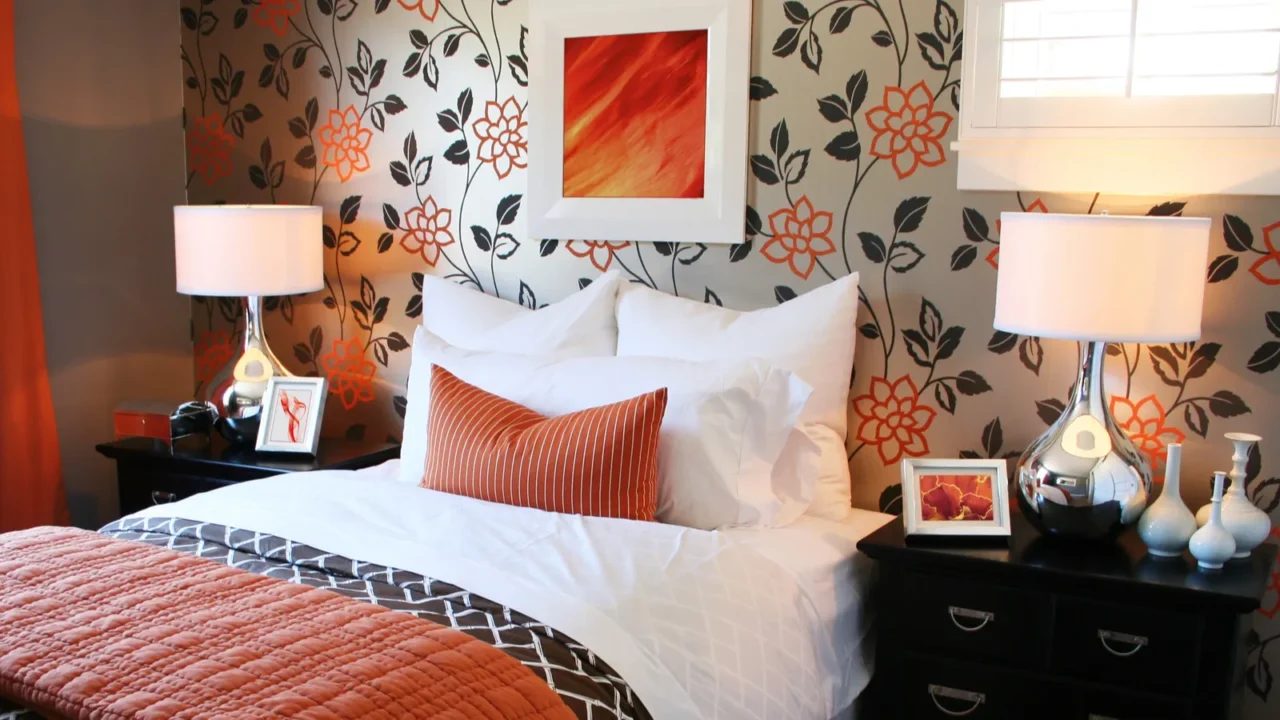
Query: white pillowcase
581,324
725,426
812,335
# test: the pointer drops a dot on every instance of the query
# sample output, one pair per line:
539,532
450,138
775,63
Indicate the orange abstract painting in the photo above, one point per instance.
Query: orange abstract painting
635,115
956,497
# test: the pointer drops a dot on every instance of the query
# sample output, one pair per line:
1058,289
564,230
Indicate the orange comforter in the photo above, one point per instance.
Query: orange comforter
96,627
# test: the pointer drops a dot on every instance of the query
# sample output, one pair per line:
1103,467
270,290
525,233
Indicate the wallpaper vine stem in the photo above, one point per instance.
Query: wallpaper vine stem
408,121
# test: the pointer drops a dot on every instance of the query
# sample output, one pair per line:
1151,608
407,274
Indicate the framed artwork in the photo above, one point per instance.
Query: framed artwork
291,415
638,115
955,497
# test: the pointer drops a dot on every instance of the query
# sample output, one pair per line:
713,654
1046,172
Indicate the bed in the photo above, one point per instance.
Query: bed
622,619
642,513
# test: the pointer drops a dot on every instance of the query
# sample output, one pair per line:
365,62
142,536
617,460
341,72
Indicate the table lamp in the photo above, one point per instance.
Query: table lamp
247,251
1096,279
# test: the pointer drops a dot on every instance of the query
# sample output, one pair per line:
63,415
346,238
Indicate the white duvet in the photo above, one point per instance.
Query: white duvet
736,624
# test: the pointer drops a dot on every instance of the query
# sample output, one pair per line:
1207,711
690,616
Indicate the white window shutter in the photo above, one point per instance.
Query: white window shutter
1050,83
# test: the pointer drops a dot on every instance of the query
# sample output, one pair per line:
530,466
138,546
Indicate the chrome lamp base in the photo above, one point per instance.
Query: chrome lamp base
239,389
1083,478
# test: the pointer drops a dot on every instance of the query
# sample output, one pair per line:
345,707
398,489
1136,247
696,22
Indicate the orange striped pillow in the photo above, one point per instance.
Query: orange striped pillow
601,461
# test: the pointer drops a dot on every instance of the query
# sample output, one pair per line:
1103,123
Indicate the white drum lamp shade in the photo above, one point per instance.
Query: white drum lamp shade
1102,278
248,250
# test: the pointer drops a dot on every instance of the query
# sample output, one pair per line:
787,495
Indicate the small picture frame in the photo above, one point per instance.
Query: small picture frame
291,415
956,498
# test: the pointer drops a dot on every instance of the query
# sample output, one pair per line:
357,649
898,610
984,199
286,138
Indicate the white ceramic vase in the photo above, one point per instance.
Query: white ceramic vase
1248,525
1212,545
1167,525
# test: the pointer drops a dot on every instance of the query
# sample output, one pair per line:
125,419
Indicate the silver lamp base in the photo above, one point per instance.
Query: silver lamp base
239,389
1084,478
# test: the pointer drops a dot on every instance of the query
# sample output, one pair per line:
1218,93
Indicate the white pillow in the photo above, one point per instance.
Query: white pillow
811,335
725,425
581,324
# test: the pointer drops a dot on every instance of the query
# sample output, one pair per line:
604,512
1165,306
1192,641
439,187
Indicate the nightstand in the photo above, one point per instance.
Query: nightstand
150,472
1054,630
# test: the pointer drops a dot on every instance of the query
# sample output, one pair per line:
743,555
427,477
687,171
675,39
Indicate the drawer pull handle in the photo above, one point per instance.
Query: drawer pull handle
958,612
1095,716
937,691
160,497
1106,637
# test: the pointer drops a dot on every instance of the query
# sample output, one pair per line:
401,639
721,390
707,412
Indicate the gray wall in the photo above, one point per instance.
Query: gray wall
101,91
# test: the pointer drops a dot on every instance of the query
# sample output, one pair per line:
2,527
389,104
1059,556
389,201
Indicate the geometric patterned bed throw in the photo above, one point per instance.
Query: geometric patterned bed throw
92,626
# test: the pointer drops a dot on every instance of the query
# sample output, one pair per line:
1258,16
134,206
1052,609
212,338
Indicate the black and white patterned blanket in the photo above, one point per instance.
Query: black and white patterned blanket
588,686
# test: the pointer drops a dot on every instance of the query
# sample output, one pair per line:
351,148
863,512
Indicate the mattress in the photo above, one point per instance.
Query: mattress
678,623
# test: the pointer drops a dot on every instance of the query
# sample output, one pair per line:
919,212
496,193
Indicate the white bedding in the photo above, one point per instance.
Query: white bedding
735,624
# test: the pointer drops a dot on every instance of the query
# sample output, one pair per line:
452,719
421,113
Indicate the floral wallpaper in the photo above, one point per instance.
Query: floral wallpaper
407,120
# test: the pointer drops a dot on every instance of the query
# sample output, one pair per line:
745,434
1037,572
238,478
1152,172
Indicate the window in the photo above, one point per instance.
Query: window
1121,69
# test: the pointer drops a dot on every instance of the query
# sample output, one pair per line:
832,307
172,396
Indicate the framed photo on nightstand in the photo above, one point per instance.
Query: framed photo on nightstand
291,415
956,498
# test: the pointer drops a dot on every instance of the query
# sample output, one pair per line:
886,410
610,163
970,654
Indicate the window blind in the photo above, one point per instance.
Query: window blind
1139,48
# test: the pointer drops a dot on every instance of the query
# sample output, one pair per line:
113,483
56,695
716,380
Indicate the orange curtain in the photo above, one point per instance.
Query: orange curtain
30,469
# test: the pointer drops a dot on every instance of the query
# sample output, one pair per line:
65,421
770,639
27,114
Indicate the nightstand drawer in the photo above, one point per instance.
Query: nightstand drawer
948,689
1130,647
143,491
1102,705
976,619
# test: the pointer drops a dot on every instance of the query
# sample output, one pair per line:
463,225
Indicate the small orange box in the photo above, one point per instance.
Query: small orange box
144,418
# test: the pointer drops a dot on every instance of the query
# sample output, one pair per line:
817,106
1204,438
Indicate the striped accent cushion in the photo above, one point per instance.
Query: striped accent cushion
601,461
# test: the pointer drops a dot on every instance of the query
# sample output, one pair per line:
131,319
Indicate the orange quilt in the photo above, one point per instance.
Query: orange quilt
96,627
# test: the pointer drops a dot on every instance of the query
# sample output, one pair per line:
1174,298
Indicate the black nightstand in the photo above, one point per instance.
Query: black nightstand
150,472
1052,630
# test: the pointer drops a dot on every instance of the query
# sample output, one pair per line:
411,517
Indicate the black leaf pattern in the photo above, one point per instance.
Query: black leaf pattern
945,396
992,438
1002,342
1050,410
910,214
762,89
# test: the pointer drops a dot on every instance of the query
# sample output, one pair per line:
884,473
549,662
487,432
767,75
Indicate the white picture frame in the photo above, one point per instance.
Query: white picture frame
296,430
917,506
718,216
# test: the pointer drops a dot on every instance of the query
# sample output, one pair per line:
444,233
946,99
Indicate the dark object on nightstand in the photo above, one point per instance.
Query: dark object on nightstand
1058,630
162,419
152,473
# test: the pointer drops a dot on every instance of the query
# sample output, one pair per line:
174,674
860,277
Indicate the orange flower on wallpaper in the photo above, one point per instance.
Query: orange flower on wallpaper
800,237
213,352
908,130
209,148
504,137
893,419
275,14
1267,269
1144,423
428,231
1271,596
956,497
993,257
428,8
636,101
350,373
600,252
346,144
